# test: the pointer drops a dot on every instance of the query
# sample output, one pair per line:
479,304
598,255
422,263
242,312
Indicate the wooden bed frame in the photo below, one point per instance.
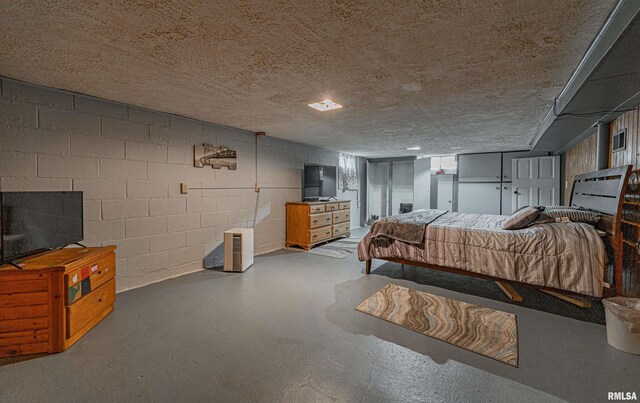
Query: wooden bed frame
601,191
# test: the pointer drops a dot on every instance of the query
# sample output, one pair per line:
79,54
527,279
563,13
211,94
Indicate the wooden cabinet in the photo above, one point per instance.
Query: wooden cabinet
320,220
630,230
310,223
55,299
480,167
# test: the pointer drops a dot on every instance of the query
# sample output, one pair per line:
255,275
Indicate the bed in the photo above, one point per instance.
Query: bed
573,258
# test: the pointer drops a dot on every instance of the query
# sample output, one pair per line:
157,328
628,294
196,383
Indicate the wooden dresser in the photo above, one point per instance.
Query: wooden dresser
55,299
310,223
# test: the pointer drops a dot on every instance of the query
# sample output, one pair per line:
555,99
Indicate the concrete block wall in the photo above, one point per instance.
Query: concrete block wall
129,162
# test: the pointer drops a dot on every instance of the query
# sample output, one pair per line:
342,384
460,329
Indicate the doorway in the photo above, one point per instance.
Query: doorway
389,188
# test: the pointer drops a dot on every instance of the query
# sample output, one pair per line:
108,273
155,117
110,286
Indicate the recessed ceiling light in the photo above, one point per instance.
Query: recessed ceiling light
413,148
325,105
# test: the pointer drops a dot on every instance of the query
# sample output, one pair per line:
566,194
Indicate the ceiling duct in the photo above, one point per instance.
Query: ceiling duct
605,83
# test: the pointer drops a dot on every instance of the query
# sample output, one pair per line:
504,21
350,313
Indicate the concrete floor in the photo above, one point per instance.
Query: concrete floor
286,330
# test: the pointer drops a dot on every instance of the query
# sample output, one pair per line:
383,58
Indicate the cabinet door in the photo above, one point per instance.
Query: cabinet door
480,167
481,198
508,157
506,199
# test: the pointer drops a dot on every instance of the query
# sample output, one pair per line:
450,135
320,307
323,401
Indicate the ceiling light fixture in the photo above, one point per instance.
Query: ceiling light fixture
456,148
413,148
325,105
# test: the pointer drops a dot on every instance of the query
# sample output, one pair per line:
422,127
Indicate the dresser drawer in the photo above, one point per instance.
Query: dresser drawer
344,205
82,281
341,216
84,311
341,229
332,206
320,220
320,234
313,209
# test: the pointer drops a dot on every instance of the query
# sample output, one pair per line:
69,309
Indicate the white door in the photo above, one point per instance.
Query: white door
445,192
422,183
508,157
536,181
483,198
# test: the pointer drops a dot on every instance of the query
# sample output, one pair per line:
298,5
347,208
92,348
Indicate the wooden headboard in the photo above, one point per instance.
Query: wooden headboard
603,192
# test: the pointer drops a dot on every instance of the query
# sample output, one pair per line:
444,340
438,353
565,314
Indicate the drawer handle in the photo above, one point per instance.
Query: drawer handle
315,236
100,300
315,221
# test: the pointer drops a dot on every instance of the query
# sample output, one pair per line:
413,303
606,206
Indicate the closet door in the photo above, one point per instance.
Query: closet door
445,192
480,167
506,199
536,181
481,198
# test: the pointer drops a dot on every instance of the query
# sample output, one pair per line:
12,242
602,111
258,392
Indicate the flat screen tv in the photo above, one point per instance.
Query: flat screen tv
38,221
319,182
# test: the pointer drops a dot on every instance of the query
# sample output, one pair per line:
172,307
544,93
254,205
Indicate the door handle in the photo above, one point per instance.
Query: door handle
497,187
515,193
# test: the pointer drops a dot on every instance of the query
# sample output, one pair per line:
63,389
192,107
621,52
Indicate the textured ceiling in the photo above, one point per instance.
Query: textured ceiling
440,74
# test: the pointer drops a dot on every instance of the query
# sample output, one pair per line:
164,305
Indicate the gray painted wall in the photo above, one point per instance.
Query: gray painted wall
129,163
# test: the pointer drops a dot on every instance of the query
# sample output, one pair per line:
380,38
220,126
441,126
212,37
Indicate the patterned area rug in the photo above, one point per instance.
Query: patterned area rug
339,248
485,331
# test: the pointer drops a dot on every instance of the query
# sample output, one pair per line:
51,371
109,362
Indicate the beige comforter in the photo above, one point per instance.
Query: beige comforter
565,256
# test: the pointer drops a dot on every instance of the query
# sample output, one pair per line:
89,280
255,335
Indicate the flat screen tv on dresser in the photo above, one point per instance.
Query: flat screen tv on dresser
33,222
319,182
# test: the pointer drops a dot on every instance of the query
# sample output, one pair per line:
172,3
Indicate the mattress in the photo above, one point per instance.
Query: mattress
566,256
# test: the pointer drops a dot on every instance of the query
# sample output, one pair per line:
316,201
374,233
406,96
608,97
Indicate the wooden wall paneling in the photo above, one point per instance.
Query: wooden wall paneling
635,134
579,159
630,156
626,153
614,158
